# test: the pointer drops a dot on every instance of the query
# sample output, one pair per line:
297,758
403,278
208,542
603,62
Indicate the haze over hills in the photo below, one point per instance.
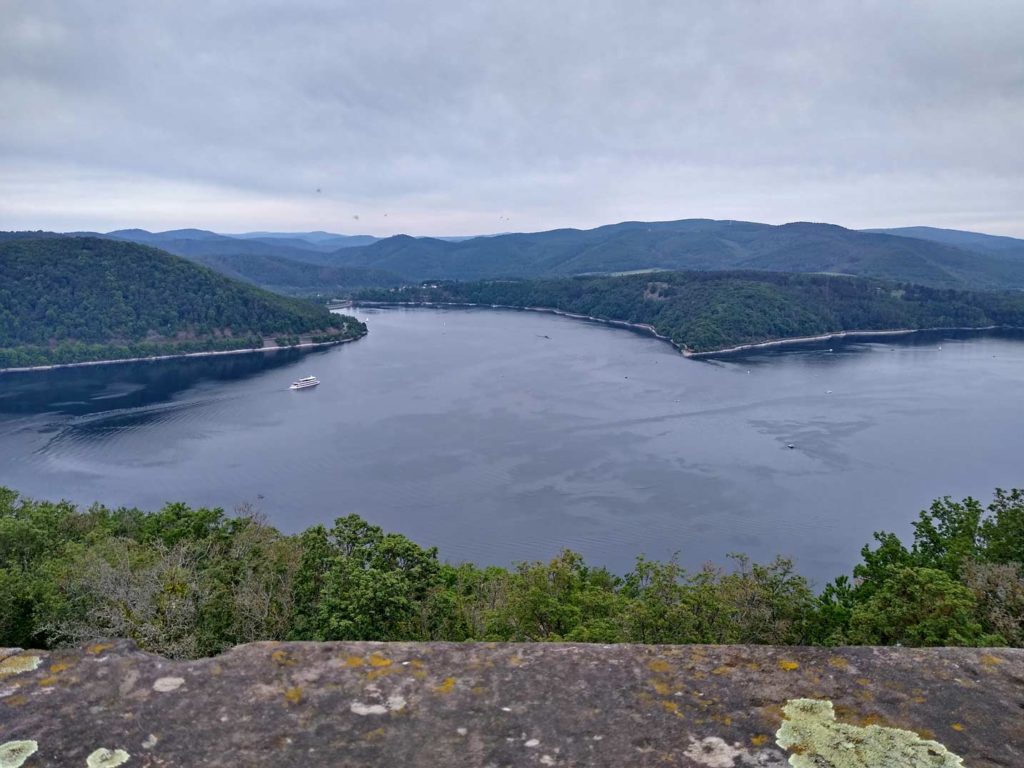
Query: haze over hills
972,241
323,263
292,263
692,244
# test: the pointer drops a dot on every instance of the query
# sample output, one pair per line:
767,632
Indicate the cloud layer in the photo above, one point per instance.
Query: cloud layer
462,117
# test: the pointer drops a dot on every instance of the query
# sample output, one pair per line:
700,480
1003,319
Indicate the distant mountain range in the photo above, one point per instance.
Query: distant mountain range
328,263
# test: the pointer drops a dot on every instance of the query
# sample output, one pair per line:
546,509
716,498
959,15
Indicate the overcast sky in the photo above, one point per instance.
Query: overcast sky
446,117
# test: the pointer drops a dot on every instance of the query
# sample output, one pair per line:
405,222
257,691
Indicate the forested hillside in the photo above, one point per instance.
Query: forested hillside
691,244
187,582
703,311
69,299
288,262
297,278
1010,247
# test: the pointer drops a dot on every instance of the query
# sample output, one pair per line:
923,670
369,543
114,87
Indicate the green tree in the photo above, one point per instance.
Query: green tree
1002,532
917,606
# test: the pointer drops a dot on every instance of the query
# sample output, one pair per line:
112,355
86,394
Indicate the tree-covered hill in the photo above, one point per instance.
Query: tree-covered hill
692,244
297,278
70,299
705,311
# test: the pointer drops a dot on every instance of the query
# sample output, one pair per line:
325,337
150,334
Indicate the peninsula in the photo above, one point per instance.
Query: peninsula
77,300
707,312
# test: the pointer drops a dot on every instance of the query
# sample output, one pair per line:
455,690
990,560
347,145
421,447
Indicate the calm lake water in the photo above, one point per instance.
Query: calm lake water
501,436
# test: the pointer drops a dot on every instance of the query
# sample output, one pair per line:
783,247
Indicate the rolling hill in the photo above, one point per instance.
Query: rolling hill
318,263
998,245
690,244
71,299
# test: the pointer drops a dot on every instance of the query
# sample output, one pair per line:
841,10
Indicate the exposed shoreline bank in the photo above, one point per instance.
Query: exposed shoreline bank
156,358
650,330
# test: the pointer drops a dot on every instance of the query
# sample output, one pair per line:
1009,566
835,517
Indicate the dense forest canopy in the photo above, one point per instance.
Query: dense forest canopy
65,299
187,582
703,311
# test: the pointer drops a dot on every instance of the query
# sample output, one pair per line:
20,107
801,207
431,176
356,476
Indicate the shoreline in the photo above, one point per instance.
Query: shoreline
650,330
642,327
840,335
156,358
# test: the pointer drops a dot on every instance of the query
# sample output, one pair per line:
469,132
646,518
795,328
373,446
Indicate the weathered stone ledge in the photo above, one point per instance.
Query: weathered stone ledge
443,704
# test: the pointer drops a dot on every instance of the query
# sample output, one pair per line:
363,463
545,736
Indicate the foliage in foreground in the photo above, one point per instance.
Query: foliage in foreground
189,582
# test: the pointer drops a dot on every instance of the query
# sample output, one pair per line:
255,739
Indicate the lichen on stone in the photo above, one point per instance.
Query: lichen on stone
816,740
15,665
168,684
107,758
13,754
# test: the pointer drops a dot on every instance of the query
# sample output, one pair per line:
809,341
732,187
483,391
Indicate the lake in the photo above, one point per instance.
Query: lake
502,436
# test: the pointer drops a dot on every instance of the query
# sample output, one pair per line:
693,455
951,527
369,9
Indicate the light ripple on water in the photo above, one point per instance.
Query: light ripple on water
498,447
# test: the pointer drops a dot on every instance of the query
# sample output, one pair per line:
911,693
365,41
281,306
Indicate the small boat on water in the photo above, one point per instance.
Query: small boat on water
305,382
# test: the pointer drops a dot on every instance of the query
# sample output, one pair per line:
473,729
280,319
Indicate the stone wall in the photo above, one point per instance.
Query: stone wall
441,704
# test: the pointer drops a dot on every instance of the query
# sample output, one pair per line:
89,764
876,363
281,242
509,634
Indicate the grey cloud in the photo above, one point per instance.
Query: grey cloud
231,115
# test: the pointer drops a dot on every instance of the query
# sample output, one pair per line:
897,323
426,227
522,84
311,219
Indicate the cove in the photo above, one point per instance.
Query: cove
503,435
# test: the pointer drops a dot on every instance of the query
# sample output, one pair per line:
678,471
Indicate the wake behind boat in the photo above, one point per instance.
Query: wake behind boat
305,382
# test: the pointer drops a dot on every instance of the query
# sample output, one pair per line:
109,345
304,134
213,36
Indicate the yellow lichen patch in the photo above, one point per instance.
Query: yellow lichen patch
376,660
293,695
758,741
17,700
661,687
788,665
957,726
60,666
724,669
48,681
989,660
838,662
670,706
15,665
814,738
515,661
926,733
376,733
416,664
354,661
446,686
97,648
658,665
419,674
283,659
379,672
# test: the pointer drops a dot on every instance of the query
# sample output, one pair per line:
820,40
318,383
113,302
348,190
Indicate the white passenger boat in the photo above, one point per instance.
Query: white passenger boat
305,382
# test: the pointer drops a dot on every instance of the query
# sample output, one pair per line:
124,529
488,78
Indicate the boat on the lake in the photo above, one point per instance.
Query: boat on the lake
305,382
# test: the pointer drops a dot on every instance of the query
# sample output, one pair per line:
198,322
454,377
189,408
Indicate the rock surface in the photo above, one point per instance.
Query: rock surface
441,704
